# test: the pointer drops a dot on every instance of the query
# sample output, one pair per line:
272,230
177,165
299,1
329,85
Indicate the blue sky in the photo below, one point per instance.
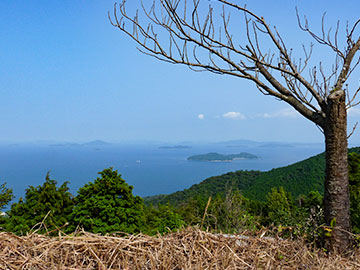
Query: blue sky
68,75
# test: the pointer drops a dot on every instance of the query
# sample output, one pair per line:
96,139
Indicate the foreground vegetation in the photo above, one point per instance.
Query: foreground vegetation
107,205
189,248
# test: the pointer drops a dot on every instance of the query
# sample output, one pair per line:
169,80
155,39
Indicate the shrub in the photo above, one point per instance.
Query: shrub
108,205
45,205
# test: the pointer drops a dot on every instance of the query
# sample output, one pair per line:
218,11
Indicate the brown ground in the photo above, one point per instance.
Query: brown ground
188,249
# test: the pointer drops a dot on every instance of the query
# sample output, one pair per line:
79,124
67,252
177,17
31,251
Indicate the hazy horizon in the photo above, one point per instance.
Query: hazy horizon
139,141
67,75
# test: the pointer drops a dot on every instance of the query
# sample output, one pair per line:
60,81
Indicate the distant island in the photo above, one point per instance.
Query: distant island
175,147
92,143
219,157
96,143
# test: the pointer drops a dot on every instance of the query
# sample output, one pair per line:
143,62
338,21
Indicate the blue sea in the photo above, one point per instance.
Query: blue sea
149,168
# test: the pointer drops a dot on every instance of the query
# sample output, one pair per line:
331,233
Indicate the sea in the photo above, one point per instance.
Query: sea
151,168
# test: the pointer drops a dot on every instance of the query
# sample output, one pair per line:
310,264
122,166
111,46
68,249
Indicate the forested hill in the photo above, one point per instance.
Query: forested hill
209,187
299,178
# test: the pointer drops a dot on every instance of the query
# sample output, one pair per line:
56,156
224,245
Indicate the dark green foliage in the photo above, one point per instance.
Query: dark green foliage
293,218
193,210
6,195
46,206
209,187
161,219
354,179
280,207
299,178
313,200
230,214
108,205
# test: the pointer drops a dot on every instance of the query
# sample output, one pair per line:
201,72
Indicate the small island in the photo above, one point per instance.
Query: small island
216,157
175,147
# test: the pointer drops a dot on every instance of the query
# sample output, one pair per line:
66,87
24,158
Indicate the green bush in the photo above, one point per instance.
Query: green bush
161,219
280,207
107,205
6,195
230,214
45,207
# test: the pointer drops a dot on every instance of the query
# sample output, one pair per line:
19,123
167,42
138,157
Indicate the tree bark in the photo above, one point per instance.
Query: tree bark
336,195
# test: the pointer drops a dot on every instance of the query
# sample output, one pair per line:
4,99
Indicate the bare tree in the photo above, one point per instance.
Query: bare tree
205,41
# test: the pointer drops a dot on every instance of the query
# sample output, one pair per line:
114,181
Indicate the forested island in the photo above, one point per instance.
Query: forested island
216,157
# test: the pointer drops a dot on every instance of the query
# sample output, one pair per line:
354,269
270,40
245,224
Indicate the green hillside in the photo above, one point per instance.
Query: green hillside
299,178
209,187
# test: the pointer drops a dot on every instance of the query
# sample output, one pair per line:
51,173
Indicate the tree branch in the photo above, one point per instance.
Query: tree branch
192,32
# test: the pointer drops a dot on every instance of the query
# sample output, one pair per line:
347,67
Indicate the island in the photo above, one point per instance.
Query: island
216,157
175,147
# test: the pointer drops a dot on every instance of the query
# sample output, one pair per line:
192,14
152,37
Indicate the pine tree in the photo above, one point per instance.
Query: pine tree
45,208
108,205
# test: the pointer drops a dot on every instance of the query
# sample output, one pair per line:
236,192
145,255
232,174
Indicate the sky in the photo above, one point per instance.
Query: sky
66,74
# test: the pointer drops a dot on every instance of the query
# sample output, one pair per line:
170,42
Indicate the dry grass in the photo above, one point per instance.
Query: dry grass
188,249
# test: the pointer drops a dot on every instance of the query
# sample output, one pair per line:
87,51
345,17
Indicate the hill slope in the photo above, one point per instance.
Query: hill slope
209,187
298,178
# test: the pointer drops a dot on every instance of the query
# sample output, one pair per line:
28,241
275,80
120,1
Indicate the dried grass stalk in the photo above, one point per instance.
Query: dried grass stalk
189,248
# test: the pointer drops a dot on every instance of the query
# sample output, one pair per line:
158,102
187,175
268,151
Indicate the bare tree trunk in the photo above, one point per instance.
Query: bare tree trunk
336,197
192,38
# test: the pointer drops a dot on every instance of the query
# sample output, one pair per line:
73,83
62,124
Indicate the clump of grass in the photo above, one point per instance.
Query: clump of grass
188,248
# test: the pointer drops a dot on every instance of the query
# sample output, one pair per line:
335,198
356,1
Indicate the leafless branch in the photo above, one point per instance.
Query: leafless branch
325,38
195,41
351,100
353,130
